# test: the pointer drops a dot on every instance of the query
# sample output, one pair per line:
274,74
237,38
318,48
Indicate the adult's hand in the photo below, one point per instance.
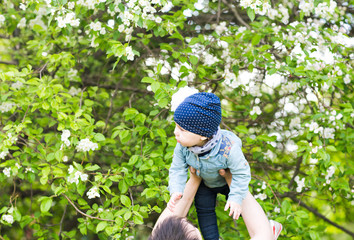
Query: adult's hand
175,197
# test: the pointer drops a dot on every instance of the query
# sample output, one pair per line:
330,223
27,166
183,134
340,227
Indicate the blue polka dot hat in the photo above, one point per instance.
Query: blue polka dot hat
199,113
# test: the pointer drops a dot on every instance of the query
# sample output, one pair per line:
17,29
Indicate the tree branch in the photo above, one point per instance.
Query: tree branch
61,221
296,172
314,211
4,36
237,16
8,63
82,213
119,88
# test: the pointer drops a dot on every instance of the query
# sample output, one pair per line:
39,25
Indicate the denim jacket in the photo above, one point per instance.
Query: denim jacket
226,153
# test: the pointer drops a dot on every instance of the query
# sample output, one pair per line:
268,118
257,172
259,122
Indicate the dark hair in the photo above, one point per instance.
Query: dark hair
173,228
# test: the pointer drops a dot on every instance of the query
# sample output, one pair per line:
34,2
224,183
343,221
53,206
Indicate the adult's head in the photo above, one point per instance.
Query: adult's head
200,114
175,228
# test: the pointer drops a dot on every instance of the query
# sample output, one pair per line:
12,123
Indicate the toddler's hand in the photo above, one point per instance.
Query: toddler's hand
235,209
173,200
192,170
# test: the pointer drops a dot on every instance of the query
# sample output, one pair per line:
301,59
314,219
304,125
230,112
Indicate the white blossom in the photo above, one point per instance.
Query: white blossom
6,106
3,154
97,26
188,12
7,172
346,79
8,218
300,183
65,137
28,169
17,85
22,6
291,146
330,171
86,145
110,23
84,177
256,110
219,29
93,192
313,161
167,7
180,95
150,61
71,5
129,52
2,19
74,91
71,169
328,133
261,196
65,158
21,23
306,6
277,210
75,176
295,123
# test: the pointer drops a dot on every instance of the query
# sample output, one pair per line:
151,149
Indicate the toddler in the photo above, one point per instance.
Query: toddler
205,147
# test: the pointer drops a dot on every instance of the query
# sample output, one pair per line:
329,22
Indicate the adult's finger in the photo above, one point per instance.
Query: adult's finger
236,214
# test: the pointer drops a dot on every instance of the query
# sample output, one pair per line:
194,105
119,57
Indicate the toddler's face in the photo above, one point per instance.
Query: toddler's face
188,139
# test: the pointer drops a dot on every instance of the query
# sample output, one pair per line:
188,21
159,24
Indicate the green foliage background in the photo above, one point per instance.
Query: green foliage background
79,79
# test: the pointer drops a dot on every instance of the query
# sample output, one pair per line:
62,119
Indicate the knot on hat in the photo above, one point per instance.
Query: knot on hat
199,113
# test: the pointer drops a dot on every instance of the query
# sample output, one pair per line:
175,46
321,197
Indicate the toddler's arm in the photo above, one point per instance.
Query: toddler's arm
178,172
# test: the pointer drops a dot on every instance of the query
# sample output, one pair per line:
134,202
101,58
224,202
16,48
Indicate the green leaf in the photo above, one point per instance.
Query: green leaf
133,159
92,168
250,13
256,39
107,189
162,102
100,124
125,201
138,219
285,207
101,226
314,235
176,55
46,204
331,148
155,86
124,136
50,157
115,134
99,137
194,59
242,129
123,186
127,215
161,133
147,80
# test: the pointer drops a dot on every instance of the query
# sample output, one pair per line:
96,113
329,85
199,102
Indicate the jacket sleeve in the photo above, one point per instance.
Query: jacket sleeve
241,174
178,172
